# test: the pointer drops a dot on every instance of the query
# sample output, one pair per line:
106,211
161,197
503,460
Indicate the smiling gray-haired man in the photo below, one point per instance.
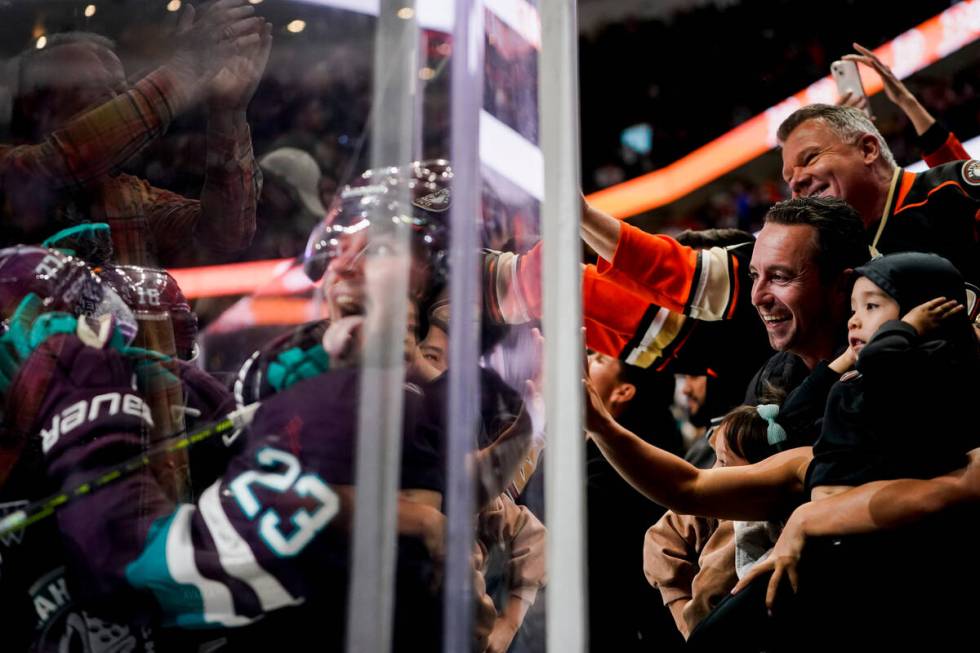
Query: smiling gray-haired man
836,151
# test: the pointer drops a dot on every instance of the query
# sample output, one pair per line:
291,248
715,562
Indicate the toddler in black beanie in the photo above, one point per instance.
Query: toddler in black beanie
906,412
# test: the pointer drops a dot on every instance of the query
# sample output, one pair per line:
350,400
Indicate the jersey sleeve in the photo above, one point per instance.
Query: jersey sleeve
250,544
702,284
99,141
271,532
939,146
636,311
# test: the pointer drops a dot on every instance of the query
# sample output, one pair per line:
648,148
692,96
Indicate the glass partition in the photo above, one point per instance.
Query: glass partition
290,253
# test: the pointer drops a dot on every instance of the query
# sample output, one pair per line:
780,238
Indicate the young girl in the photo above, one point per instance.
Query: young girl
692,560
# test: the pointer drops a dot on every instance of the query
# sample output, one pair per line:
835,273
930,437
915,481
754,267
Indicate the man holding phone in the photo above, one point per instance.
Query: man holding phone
836,151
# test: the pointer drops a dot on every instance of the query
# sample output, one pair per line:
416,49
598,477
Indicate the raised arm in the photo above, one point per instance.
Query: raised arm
223,221
99,141
895,90
233,180
938,143
705,284
599,230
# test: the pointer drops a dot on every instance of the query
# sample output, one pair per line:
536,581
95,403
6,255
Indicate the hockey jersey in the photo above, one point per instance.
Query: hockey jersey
933,211
256,540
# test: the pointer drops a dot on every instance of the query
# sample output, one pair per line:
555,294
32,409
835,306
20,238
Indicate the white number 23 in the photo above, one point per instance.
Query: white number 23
285,479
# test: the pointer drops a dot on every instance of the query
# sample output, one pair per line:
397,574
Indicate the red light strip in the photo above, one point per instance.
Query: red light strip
230,279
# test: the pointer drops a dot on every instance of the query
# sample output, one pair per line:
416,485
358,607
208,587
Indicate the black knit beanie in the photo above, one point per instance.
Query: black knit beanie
913,278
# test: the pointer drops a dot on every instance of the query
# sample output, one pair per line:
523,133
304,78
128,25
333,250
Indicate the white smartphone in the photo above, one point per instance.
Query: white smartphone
846,74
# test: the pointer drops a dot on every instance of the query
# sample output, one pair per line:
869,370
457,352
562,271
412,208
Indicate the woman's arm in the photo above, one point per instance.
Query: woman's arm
751,492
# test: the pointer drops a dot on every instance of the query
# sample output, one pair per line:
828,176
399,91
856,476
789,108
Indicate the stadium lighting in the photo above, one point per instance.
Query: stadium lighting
905,54
938,37
89,11
173,5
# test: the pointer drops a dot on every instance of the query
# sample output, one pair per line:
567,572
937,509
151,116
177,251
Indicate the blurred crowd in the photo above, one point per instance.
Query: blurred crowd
739,59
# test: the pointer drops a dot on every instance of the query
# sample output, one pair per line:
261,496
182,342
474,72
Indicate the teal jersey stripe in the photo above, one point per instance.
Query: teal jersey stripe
182,603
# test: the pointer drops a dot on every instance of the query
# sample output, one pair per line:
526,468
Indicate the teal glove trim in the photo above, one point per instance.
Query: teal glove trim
295,365
92,230
18,333
30,326
51,324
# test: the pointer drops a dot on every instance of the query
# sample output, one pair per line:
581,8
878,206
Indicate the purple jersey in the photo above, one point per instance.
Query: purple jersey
256,540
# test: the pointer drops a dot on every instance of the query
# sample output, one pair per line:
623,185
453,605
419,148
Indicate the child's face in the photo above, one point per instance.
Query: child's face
604,374
871,307
724,456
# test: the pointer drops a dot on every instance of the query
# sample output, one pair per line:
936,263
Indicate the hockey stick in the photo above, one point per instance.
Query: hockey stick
38,510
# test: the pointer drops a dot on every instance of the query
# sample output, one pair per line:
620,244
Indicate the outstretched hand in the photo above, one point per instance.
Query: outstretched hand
927,317
597,416
206,38
848,99
232,87
783,561
598,229
895,90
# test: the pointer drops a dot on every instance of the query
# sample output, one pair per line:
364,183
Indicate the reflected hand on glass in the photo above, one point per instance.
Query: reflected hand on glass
485,614
534,405
497,464
502,635
232,87
426,523
204,38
